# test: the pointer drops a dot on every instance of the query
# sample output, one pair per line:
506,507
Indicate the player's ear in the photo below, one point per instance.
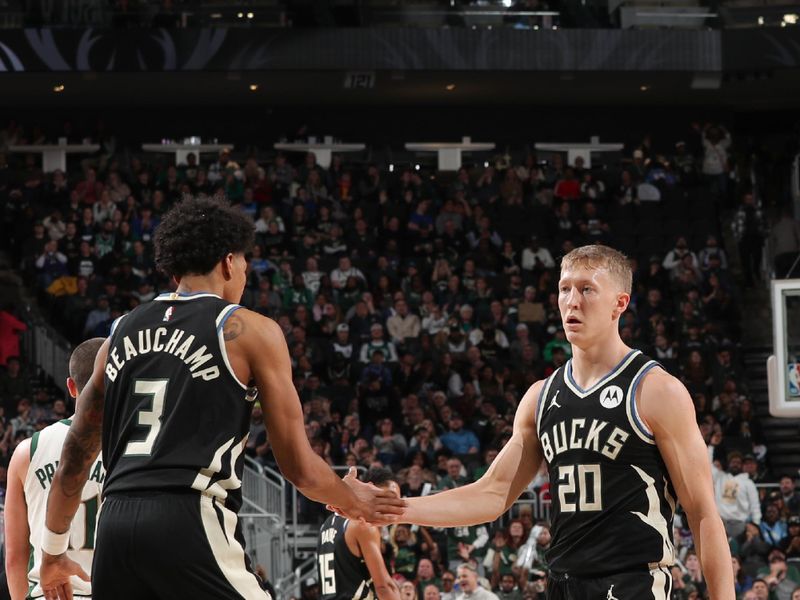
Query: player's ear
227,266
72,387
623,299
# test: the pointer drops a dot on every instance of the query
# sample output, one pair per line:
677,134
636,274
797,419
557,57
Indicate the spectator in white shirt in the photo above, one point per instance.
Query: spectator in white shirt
736,495
403,324
312,276
673,258
345,271
536,257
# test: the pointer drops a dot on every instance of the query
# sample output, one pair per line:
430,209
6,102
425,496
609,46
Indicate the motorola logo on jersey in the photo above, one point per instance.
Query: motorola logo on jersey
611,397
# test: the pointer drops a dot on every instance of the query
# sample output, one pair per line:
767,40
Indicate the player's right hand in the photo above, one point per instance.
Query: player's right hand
373,505
55,573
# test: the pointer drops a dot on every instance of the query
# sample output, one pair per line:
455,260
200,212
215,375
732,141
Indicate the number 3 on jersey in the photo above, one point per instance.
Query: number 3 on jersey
327,574
156,390
567,482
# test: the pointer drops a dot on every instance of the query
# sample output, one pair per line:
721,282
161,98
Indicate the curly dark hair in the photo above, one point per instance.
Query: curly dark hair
197,233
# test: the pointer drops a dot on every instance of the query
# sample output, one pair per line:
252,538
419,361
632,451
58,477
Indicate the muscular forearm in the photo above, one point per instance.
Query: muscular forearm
81,447
712,548
68,483
318,482
459,507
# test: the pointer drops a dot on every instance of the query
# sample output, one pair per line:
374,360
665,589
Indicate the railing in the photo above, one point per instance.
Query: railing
44,347
289,585
263,518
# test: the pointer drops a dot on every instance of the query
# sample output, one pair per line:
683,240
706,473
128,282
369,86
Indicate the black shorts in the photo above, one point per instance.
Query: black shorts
169,547
644,584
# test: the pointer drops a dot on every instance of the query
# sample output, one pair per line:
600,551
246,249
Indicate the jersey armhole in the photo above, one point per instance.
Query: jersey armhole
542,395
635,420
34,443
223,316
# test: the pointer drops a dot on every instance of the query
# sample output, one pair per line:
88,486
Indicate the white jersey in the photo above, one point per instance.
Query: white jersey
46,448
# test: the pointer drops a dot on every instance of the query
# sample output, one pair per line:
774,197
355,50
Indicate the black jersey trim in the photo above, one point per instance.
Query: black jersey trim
570,380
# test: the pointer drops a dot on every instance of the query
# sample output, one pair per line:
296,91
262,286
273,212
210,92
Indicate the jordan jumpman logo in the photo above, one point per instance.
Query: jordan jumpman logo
610,595
553,401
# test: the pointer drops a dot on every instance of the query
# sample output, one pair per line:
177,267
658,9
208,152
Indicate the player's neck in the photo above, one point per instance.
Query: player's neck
590,364
195,284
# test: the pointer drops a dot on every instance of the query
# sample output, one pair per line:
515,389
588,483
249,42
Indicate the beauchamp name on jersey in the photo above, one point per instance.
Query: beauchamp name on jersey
155,340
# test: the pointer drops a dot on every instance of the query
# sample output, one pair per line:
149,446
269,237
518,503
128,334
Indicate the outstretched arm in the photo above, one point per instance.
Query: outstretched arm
495,492
16,523
81,448
261,341
667,409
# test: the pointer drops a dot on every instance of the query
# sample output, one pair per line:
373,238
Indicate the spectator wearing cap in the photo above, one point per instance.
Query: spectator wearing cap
790,545
468,584
377,343
458,439
341,345
781,577
753,468
736,495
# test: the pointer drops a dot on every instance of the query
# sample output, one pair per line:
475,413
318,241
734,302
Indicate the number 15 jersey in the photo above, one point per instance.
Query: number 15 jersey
612,499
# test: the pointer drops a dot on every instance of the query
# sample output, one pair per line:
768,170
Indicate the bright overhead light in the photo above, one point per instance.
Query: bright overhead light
416,167
250,15
760,20
58,88
391,168
791,19
644,88
253,87
240,15
507,3
450,87
486,164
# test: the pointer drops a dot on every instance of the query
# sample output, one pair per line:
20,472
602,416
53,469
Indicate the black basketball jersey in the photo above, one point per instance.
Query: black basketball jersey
342,575
176,417
612,499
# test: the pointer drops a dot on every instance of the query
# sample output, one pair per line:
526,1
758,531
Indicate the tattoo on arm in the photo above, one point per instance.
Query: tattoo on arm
82,444
233,328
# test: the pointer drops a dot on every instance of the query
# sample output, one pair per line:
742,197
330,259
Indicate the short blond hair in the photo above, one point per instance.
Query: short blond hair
597,256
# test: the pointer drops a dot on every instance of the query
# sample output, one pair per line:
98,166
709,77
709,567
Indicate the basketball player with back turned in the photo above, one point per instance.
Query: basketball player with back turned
171,396
350,563
620,440
29,475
